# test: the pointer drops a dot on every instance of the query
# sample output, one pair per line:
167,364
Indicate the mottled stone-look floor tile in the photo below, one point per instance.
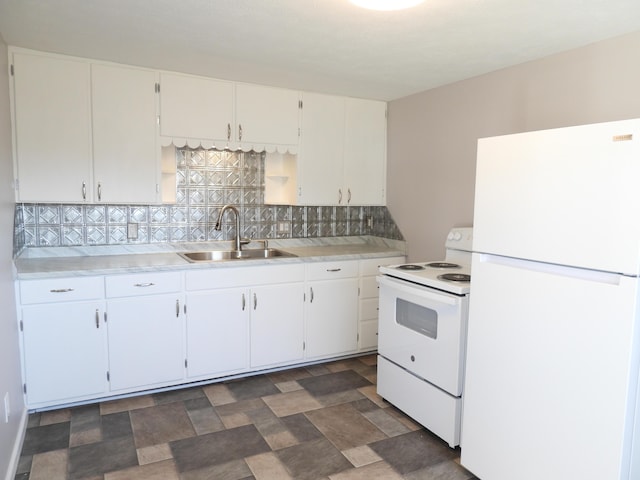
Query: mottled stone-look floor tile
267,466
46,438
161,424
218,394
289,375
333,383
252,387
346,396
360,456
154,453
289,386
178,395
413,451
165,470
96,459
374,471
85,425
215,448
371,393
126,404
285,404
205,420
386,423
313,460
55,416
50,465
344,426
449,470
301,428
235,470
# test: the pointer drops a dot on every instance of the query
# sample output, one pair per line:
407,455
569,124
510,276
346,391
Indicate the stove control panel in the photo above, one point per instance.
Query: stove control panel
460,238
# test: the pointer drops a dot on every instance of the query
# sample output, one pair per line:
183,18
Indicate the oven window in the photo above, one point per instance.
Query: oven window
417,318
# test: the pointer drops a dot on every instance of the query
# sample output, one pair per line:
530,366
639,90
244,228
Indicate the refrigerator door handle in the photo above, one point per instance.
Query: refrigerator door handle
553,269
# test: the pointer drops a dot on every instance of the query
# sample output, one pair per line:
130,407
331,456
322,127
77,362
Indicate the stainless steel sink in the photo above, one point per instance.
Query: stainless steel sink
220,255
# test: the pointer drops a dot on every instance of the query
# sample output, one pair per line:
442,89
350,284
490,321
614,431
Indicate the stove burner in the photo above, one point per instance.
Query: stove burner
455,277
442,265
410,266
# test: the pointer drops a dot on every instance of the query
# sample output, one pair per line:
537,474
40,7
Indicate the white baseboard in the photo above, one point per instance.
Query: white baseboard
17,446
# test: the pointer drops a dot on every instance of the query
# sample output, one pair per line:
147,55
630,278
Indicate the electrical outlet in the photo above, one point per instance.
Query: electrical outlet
7,408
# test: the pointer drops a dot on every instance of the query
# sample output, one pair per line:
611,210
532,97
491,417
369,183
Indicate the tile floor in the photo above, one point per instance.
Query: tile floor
320,422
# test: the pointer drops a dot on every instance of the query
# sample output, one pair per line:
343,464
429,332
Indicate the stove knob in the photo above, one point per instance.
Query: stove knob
457,236
450,236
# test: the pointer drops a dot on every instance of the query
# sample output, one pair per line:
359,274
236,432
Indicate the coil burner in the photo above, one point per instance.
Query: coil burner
455,277
442,265
410,266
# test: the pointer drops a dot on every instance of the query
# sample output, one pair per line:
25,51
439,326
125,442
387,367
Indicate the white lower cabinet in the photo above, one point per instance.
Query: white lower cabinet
217,332
86,338
277,332
64,341
331,310
368,305
145,323
244,317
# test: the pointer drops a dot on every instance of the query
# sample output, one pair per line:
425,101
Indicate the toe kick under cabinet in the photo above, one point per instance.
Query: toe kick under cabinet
93,337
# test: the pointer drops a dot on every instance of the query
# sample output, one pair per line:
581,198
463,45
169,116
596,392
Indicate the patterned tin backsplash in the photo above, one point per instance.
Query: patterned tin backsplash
206,180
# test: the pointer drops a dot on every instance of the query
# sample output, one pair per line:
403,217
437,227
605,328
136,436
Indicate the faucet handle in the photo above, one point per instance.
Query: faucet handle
245,241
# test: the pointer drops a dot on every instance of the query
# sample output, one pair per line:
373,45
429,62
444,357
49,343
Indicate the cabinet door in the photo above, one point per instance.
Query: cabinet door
65,351
126,158
145,341
217,332
331,317
52,128
276,324
365,152
321,149
195,107
266,115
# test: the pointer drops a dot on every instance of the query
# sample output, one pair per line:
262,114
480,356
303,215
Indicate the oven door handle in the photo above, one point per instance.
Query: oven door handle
410,289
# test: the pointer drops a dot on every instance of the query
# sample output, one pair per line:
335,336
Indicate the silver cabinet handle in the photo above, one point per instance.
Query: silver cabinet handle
228,132
255,301
97,318
61,290
244,302
311,294
240,131
177,308
146,284
99,191
339,195
333,269
348,195
84,190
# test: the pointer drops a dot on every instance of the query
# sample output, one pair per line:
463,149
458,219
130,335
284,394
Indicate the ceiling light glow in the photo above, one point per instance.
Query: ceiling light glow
386,5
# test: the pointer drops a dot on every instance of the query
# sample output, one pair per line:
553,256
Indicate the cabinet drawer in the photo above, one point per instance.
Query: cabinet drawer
368,309
243,276
142,284
332,270
370,266
368,287
61,290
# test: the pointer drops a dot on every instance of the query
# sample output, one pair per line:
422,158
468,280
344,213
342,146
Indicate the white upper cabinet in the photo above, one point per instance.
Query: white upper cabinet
321,148
365,152
198,111
52,128
125,150
84,132
266,116
195,108
342,155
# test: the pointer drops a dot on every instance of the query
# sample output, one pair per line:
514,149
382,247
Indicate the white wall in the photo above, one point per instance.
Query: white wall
10,377
432,135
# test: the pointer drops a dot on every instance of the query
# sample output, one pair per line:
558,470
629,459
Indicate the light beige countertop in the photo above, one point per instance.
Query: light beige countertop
52,262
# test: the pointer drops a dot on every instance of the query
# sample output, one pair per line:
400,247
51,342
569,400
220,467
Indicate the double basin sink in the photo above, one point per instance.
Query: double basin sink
248,254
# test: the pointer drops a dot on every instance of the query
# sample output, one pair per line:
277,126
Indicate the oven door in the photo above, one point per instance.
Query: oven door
423,330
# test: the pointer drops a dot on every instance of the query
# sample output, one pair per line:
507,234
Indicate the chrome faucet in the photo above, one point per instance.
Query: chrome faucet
219,224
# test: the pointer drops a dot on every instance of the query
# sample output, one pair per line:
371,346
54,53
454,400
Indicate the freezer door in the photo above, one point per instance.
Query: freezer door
551,372
568,196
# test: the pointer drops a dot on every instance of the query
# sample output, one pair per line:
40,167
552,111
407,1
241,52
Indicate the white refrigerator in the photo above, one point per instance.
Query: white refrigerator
553,352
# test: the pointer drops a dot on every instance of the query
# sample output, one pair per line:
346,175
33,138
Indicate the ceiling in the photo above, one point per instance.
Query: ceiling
317,45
